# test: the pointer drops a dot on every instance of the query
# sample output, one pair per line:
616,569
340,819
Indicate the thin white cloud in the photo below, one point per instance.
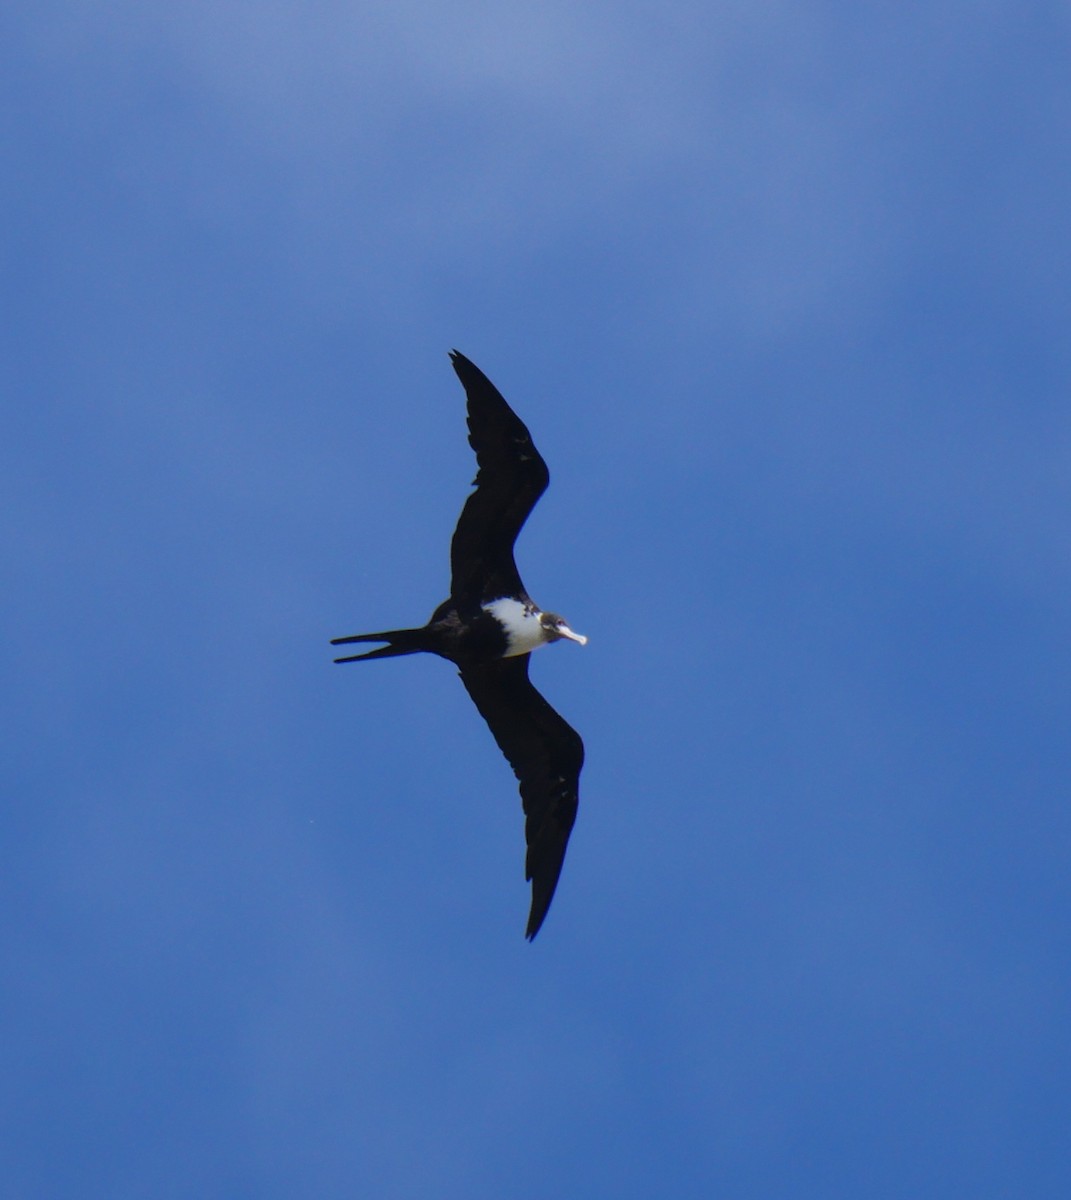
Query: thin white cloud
400,139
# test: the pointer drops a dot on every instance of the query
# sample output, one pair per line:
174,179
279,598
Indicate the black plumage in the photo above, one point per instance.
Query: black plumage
489,626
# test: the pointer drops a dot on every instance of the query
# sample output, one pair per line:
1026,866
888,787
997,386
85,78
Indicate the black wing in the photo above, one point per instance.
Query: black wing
546,755
511,478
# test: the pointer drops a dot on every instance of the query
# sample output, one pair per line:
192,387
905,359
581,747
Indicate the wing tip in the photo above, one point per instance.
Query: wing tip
541,899
464,368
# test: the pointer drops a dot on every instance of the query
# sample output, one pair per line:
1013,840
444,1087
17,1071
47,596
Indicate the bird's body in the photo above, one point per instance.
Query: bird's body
489,626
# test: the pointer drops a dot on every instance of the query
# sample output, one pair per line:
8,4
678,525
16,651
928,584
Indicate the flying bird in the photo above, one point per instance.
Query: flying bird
490,625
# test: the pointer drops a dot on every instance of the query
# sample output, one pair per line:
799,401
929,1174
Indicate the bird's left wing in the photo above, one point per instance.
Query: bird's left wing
546,755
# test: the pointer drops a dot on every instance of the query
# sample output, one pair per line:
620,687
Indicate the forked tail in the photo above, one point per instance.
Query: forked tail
401,641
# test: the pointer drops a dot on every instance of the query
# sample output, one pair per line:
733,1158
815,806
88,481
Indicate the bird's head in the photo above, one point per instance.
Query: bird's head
555,628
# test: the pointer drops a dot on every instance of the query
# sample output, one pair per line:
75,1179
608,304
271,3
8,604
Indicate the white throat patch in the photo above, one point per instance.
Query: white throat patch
524,633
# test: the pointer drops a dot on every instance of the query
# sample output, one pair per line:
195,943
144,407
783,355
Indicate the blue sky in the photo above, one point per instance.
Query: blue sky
782,292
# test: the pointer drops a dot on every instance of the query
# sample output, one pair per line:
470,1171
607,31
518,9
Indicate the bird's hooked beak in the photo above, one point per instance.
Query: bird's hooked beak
565,631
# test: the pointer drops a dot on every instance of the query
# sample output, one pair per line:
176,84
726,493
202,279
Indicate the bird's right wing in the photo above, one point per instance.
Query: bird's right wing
546,755
511,477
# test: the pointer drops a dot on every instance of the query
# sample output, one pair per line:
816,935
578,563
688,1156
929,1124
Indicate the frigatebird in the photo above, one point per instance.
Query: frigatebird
490,625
